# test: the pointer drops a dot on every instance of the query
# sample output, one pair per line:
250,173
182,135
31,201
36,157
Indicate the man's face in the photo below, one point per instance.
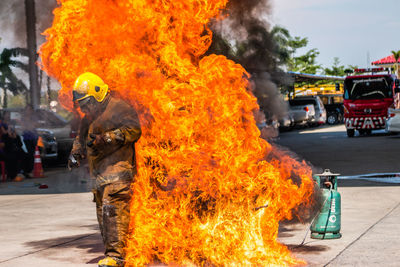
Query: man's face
88,105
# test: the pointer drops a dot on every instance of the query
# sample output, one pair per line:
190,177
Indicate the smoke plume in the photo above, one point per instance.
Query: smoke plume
244,37
251,44
13,23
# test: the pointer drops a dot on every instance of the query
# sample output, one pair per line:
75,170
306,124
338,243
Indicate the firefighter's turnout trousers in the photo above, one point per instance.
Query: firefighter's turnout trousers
112,207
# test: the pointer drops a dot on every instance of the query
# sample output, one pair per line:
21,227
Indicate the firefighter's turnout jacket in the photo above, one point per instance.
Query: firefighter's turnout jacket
113,160
113,165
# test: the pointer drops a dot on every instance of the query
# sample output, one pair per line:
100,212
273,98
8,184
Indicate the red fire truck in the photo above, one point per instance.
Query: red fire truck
368,93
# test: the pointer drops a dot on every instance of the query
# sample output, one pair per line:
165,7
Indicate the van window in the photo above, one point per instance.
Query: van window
302,102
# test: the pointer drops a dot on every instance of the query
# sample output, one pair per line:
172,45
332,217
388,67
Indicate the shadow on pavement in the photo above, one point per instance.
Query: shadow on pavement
299,248
284,231
307,248
91,243
281,235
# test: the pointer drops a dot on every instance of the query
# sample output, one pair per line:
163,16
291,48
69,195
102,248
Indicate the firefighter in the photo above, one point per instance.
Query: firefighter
106,137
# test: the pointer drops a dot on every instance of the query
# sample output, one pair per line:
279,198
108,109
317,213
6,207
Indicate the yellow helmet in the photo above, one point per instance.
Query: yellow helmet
89,84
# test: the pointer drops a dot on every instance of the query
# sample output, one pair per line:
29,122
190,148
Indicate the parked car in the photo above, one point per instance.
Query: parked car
61,128
393,121
334,108
302,113
54,130
50,149
319,116
286,122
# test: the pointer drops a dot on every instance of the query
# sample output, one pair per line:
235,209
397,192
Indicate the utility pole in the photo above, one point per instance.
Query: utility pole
31,42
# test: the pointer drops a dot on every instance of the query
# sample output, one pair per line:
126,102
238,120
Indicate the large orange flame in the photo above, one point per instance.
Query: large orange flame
205,176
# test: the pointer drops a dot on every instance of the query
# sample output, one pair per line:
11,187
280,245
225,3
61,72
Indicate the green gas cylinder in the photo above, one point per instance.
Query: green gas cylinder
326,224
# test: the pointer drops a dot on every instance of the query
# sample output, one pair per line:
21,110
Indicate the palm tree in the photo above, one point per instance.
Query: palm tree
396,55
8,80
282,38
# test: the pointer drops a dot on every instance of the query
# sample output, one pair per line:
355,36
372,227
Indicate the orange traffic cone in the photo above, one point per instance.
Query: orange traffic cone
37,166
40,142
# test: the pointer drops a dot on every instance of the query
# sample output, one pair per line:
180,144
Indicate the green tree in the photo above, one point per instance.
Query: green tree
8,80
281,36
286,51
351,68
306,63
336,69
17,101
396,55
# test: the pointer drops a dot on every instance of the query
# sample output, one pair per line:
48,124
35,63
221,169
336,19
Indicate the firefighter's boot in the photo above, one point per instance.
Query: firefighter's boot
110,262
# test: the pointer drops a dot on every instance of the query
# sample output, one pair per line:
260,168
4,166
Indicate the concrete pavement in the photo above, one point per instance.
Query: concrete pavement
57,227
48,227
61,230
49,230
370,207
369,231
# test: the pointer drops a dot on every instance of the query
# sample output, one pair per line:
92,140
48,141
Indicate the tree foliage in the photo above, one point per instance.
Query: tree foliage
336,69
287,52
396,55
8,80
306,63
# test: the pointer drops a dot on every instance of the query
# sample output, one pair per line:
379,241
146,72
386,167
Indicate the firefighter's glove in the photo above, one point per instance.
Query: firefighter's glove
96,140
114,137
74,161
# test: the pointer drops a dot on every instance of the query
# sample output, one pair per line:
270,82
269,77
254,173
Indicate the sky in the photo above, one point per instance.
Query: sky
352,30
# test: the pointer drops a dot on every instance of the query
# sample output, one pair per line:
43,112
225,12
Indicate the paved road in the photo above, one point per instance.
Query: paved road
57,226
329,147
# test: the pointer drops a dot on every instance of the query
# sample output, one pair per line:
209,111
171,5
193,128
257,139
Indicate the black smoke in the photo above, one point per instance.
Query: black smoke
13,22
244,37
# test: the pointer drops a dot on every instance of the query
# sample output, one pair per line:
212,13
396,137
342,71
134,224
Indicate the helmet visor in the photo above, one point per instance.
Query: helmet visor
76,96
85,102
